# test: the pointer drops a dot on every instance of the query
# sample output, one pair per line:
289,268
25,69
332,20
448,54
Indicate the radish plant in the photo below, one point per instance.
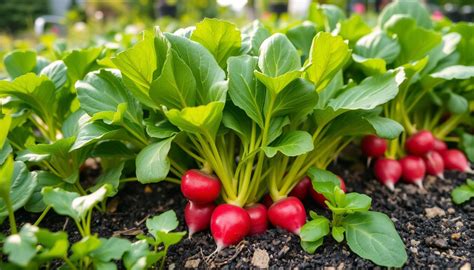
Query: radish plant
369,234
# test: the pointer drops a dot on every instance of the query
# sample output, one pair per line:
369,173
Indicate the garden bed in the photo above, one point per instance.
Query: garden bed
436,232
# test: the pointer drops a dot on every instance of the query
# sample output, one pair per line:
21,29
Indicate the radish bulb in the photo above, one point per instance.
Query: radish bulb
300,191
229,225
413,170
388,172
319,198
434,164
455,160
420,143
199,187
288,213
198,216
439,145
373,147
258,218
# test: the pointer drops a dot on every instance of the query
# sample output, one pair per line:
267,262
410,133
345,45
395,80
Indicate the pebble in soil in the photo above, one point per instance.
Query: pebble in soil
437,233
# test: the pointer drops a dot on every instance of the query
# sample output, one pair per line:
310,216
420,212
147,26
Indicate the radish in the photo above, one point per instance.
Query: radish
198,216
373,146
267,200
455,160
439,145
388,172
420,143
301,189
200,187
288,213
258,218
434,164
413,170
229,225
319,198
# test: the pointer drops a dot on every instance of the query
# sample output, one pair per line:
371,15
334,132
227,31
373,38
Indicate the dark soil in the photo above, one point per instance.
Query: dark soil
446,240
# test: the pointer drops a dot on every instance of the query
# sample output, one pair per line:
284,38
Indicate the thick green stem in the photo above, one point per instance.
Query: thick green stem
11,215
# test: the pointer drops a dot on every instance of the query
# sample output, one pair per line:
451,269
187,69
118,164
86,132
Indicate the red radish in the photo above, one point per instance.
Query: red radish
455,160
301,189
388,172
229,225
258,218
288,214
420,143
439,145
413,170
319,198
200,187
198,216
434,164
267,200
373,146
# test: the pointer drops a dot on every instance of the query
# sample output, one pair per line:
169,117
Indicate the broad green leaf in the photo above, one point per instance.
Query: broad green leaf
324,182
370,93
311,247
253,36
112,150
165,222
139,257
352,202
152,162
44,179
84,247
334,14
467,145
84,204
96,131
441,53
19,62
370,66
53,245
21,247
276,84
204,67
110,176
456,72
353,28
244,89
338,233
220,37
455,103
139,63
203,119
111,249
18,181
175,88
372,236
56,72
276,127
79,62
302,36
293,143
74,123
327,56
5,123
315,229
466,30
412,8
161,130
378,45
170,238
234,120
462,193
5,151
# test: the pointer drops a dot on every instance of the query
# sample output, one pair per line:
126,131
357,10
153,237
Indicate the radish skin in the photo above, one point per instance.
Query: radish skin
434,164
420,143
319,198
199,187
455,160
300,191
258,218
198,216
373,147
229,225
289,214
413,170
388,172
439,145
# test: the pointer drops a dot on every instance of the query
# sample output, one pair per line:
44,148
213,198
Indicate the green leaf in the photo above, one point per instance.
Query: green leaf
370,93
79,62
234,120
53,245
315,229
311,247
467,145
302,36
5,123
56,72
152,162
370,66
139,257
455,103
463,193
253,36
204,119
16,181
352,202
378,45
110,176
84,247
411,8
338,233
175,88
111,249
466,30
276,127
164,222
456,72
161,130
112,150
276,84
221,38
97,131
327,56
372,236
204,67
21,247
293,143
19,62
324,182
5,151
170,238
353,28
74,123
44,179
244,89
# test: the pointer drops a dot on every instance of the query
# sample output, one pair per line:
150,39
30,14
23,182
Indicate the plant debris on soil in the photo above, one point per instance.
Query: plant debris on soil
436,233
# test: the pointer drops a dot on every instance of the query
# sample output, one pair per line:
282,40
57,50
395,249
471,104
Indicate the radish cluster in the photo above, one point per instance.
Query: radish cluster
425,155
